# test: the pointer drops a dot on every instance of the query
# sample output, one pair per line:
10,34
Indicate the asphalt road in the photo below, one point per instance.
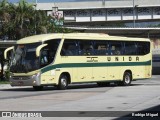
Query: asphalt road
87,101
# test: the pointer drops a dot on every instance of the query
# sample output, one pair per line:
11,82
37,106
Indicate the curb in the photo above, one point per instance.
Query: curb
4,86
8,86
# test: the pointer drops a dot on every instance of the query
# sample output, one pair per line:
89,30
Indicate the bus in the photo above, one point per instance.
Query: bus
63,59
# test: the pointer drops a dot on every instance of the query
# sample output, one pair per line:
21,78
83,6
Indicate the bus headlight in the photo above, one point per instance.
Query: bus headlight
10,76
36,78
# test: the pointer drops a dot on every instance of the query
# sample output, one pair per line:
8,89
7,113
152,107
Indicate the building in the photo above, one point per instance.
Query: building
107,15
139,18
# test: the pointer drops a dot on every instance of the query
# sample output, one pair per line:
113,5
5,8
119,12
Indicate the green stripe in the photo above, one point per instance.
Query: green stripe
113,64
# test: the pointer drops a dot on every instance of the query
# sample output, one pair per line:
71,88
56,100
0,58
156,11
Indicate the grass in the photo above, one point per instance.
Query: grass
4,82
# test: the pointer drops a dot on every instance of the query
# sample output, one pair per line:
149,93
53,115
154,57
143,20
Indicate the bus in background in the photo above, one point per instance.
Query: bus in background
62,59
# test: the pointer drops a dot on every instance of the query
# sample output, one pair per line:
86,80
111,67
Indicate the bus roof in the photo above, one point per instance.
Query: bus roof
84,36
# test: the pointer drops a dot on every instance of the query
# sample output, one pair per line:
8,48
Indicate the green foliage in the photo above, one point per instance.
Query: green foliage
7,75
4,82
22,19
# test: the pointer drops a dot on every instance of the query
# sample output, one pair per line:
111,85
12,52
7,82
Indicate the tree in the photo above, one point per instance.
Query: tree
41,22
5,16
23,14
22,20
4,20
55,24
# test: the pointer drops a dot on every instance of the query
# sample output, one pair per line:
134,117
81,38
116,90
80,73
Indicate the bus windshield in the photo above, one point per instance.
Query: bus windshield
24,58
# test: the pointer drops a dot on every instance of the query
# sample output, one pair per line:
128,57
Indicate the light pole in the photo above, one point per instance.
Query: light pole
133,14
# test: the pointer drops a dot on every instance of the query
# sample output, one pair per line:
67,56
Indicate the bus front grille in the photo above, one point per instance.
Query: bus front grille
21,77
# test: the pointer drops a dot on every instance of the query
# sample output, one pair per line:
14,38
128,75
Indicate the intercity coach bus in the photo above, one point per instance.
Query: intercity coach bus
62,59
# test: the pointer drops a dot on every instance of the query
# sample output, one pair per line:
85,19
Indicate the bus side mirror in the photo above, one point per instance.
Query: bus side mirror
39,49
6,51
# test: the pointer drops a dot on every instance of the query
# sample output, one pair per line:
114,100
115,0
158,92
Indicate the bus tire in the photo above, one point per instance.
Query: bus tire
38,88
127,78
63,82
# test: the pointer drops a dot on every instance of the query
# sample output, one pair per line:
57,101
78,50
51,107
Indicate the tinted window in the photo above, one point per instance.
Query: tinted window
143,48
85,47
115,48
137,48
48,53
91,47
69,48
130,48
101,48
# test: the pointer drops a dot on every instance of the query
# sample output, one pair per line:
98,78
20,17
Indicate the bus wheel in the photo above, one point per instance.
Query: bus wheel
127,78
38,88
63,83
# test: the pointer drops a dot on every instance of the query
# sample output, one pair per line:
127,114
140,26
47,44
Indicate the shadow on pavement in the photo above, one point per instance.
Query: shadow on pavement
70,87
48,88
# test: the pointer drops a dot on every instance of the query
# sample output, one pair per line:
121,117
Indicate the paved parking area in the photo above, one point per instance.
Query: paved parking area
111,102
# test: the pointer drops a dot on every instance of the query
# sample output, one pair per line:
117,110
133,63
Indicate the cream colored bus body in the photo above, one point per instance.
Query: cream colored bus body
85,68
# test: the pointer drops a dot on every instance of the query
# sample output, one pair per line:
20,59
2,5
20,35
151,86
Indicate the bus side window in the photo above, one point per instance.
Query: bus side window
115,48
112,50
100,48
88,50
130,48
44,57
143,48
69,48
115,51
51,49
85,47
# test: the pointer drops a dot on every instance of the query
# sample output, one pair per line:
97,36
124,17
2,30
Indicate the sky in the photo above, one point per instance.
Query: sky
44,1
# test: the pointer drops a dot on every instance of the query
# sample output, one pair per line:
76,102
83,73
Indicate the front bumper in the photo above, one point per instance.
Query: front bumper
33,80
